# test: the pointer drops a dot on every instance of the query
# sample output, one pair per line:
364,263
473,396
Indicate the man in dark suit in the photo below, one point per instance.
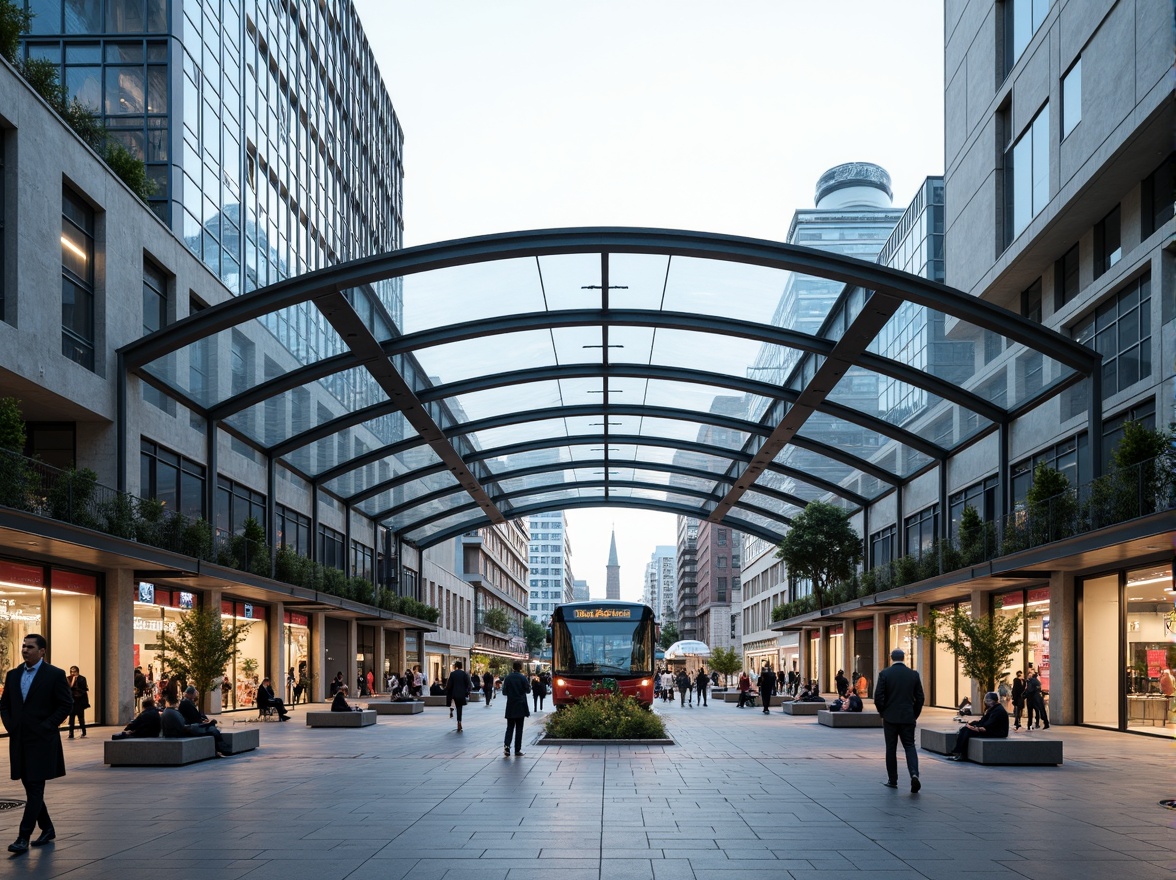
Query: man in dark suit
35,701
266,699
898,697
994,723
766,684
488,686
457,690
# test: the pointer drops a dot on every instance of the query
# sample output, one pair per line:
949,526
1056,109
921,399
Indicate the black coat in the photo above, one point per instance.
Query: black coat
34,744
80,690
516,689
898,695
458,686
766,682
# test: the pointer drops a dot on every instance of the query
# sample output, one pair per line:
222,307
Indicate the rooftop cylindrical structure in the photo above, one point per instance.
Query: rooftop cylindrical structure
854,185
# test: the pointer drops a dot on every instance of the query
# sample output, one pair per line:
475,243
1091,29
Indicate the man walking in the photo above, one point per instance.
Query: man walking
516,689
766,684
488,686
898,697
35,701
701,681
457,690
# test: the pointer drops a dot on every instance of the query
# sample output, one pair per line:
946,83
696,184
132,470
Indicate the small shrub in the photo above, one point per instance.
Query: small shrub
197,539
12,425
906,570
132,170
117,516
71,496
14,21
361,590
496,618
335,583
605,718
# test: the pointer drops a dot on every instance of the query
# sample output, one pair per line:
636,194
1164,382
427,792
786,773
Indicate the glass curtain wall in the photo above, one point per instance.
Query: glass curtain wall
863,653
1151,649
296,638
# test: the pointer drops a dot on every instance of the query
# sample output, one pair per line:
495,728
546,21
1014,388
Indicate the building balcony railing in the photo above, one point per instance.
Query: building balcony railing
1125,494
76,497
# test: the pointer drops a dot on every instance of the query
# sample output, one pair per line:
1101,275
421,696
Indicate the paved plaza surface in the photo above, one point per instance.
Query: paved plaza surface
740,797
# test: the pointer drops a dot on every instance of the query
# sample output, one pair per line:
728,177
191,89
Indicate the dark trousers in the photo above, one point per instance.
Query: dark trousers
80,714
514,725
894,733
488,695
965,734
35,811
702,696
682,694
1018,706
742,699
458,705
1038,704
766,696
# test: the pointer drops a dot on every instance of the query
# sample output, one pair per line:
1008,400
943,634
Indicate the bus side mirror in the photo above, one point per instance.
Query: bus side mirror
549,635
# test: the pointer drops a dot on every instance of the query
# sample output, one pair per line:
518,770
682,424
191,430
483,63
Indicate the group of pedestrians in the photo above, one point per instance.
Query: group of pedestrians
515,688
1027,695
690,688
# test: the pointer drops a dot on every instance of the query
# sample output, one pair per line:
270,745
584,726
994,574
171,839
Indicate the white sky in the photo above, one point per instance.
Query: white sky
685,115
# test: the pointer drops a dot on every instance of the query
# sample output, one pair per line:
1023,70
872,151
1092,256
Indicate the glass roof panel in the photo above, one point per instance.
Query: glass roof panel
731,290
386,468
791,485
730,355
399,500
815,464
507,399
476,357
492,438
314,458
456,502
636,280
568,280
478,290
767,502
697,397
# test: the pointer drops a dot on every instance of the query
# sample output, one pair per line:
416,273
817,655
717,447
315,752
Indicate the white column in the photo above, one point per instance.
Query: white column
118,647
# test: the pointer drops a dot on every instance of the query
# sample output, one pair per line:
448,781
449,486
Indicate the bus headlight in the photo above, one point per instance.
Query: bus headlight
645,682
560,682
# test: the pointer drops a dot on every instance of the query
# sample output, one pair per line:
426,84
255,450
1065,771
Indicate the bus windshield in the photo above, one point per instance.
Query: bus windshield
617,647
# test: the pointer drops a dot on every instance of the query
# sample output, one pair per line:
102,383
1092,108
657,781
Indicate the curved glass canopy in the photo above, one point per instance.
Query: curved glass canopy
523,372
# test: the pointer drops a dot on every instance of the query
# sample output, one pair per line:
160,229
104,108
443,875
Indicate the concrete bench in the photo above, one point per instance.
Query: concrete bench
1027,750
848,719
431,700
158,751
341,719
794,707
416,707
245,740
1024,750
474,697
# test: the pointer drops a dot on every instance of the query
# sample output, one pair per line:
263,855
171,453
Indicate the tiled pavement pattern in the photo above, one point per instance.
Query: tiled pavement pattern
741,797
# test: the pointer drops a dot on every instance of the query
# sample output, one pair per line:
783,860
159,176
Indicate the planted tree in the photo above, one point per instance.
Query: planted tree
496,618
669,634
535,634
1051,506
1141,471
725,661
822,546
983,645
202,646
15,476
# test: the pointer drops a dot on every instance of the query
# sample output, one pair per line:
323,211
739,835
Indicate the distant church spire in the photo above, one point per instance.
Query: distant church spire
612,587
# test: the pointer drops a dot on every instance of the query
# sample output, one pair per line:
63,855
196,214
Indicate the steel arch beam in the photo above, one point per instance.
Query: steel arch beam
579,503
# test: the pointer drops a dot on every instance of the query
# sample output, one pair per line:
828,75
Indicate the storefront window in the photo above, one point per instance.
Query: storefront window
863,653
21,593
943,669
247,668
834,661
899,626
73,629
1100,651
296,632
1037,636
814,652
156,611
1151,648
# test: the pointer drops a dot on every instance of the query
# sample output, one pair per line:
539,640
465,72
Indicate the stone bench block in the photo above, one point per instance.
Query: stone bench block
1020,750
475,697
848,719
796,708
158,751
416,707
430,700
245,740
341,719
941,742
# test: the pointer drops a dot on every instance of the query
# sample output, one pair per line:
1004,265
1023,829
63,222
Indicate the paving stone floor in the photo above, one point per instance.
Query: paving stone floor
740,797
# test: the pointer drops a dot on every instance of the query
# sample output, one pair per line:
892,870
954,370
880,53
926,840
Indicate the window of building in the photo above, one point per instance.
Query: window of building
236,503
1072,98
979,496
1030,374
722,537
1022,18
155,310
362,561
921,530
1120,330
1158,196
331,548
1143,412
1066,278
882,544
1026,176
170,478
293,530
1108,242
1031,302
1066,456
721,589
77,279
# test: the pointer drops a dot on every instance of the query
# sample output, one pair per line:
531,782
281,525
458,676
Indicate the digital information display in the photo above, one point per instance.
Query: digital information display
605,613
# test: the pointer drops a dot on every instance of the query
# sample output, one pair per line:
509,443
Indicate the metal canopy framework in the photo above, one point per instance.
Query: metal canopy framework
533,371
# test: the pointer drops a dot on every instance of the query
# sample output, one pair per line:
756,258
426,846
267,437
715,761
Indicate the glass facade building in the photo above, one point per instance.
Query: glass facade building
265,126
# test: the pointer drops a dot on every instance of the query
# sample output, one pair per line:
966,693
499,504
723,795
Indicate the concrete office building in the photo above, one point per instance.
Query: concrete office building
661,583
1059,206
580,591
687,577
551,581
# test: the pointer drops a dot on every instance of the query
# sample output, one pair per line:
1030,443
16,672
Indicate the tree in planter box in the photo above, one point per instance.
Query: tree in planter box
15,475
496,618
1050,506
822,547
201,647
726,662
983,645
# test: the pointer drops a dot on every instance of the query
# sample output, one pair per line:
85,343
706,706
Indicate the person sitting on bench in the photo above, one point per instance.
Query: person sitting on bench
176,727
267,700
145,724
339,703
993,724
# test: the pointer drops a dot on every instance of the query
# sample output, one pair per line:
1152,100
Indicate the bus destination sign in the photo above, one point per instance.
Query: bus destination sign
602,614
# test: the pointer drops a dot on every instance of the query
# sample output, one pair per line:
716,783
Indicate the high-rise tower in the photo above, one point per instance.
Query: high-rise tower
612,583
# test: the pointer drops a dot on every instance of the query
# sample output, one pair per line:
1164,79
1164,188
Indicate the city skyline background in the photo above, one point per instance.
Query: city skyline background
526,115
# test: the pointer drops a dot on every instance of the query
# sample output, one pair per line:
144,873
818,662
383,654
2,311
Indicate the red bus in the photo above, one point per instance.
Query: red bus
603,646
